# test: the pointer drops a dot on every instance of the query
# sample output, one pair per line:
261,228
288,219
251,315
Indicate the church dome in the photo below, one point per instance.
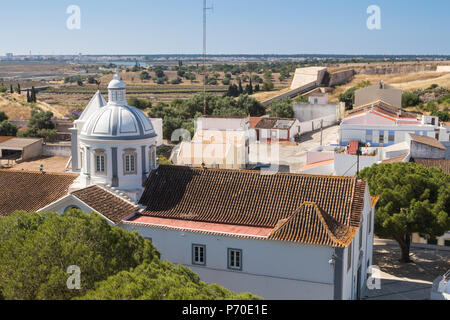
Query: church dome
118,122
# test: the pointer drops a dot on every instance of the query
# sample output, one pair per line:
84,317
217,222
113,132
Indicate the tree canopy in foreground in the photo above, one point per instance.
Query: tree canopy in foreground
36,250
160,280
413,199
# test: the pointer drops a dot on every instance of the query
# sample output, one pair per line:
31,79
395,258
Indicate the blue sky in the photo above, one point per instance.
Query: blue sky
235,26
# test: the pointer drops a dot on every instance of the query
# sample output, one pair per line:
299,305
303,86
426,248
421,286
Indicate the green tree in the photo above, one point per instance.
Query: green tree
139,103
413,199
410,99
268,85
282,109
37,248
144,76
3,116
91,80
41,120
240,88
443,115
7,128
177,80
33,95
160,281
348,97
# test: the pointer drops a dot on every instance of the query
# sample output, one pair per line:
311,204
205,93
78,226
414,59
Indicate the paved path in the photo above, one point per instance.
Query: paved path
410,281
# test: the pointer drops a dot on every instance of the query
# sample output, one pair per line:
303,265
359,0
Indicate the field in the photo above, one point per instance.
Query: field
60,97
16,107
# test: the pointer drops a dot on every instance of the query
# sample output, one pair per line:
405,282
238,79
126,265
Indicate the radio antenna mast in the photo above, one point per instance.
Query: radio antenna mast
205,9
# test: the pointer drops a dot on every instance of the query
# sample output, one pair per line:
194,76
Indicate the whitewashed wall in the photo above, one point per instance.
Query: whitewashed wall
271,269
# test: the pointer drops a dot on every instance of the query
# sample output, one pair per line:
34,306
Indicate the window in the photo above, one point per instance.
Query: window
368,135
391,136
349,256
199,254
129,162
235,259
447,243
369,222
432,241
100,161
381,138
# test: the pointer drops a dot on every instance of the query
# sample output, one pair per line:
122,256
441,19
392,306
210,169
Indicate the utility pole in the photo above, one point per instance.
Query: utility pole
205,9
358,153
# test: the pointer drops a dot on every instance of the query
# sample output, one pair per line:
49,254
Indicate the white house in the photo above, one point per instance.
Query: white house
218,142
380,124
269,130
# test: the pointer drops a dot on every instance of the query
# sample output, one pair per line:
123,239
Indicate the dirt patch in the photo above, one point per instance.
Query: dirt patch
51,164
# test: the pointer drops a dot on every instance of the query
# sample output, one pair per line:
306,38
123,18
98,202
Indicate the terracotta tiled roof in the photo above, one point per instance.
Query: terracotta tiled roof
31,191
432,142
106,203
309,224
254,121
435,163
249,198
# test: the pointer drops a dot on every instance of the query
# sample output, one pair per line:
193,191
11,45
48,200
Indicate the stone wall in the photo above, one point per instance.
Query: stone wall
62,149
341,77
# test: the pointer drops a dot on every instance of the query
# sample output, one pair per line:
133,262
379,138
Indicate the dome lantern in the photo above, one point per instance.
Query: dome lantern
117,91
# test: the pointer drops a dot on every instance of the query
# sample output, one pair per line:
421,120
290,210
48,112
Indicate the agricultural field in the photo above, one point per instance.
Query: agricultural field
60,96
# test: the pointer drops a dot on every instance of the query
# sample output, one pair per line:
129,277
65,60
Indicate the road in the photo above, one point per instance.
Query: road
292,156
410,281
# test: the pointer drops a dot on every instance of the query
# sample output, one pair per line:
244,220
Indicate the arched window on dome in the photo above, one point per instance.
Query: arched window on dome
121,95
129,161
100,161
152,157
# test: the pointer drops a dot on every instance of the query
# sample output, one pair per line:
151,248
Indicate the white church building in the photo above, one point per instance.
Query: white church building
276,235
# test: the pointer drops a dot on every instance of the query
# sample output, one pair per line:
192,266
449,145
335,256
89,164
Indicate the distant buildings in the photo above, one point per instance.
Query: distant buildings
381,124
218,142
317,113
268,130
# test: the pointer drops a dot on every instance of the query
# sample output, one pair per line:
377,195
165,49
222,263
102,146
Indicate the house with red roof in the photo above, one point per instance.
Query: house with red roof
380,124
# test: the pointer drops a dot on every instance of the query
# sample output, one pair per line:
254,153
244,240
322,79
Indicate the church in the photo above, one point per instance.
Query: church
279,236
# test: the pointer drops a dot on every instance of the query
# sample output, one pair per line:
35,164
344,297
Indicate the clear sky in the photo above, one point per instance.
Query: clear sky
234,27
